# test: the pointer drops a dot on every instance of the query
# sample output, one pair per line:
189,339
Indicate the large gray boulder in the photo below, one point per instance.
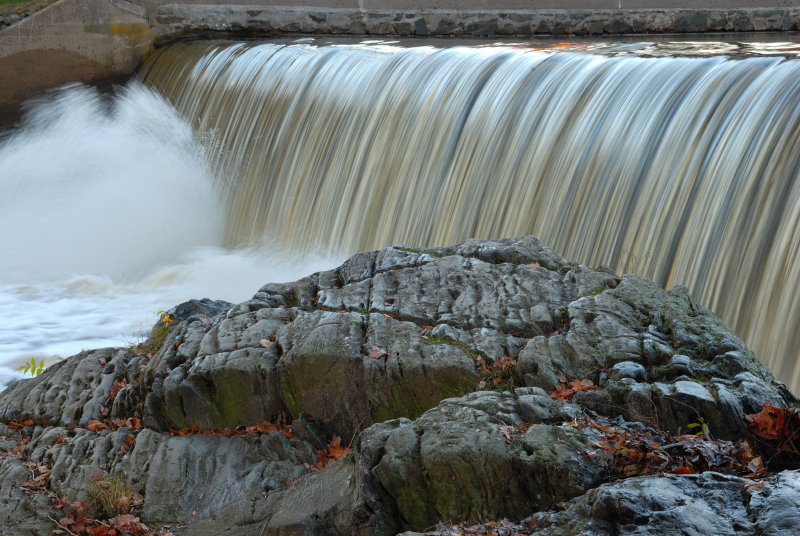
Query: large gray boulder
388,334
395,353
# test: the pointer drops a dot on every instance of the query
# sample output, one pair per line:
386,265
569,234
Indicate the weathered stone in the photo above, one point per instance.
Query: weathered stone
628,369
70,392
462,460
692,22
183,478
709,503
21,514
641,324
383,352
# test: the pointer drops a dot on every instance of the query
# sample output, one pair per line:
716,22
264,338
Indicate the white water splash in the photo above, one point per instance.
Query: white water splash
108,215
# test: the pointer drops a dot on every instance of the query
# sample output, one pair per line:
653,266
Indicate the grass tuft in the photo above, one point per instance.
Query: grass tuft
110,496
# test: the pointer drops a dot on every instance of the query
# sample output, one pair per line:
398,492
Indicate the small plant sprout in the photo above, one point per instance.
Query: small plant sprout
703,428
157,335
33,368
166,318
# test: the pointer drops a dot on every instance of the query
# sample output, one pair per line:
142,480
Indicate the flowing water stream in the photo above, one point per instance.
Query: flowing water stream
676,160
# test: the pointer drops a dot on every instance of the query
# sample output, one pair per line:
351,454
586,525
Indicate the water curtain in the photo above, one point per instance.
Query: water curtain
683,168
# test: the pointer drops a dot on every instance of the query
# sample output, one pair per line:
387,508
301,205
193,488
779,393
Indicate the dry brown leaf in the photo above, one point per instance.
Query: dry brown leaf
335,449
97,426
377,352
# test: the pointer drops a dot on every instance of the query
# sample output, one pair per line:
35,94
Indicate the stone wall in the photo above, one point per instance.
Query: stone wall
176,19
102,41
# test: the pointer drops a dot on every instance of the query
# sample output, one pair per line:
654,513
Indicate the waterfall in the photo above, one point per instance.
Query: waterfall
674,162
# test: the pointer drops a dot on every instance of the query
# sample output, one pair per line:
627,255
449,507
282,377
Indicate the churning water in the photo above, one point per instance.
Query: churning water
109,214
679,161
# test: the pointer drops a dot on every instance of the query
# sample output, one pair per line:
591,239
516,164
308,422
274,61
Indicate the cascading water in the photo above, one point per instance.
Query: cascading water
673,161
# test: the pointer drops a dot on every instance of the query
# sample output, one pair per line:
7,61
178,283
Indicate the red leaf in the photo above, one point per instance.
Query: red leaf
682,470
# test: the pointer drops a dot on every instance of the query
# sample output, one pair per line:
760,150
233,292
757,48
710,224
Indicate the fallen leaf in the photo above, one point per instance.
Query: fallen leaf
96,426
378,352
768,422
22,424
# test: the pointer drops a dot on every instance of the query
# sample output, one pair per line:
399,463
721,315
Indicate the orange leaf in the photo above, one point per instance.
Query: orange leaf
335,449
18,425
582,385
682,470
562,393
96,426
768,423
322,460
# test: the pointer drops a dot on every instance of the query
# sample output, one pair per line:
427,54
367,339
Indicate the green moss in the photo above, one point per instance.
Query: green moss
596,291
382,414
472,352
422,252
24,6
701,377
233,398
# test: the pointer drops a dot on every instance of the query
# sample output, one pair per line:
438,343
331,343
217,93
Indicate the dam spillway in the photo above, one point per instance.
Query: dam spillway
679,161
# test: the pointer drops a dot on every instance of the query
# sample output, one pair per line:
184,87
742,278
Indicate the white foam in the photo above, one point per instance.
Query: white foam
108,215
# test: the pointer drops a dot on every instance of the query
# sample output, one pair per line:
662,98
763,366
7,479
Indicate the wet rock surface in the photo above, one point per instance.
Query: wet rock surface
434,367
709,503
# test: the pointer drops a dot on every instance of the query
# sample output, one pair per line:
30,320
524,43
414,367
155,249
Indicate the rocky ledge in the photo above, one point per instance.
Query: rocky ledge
408,388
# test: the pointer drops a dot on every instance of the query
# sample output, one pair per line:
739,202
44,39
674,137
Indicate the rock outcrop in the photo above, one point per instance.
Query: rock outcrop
434,366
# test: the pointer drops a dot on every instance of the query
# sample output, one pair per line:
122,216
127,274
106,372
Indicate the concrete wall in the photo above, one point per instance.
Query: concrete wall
93,41
101,41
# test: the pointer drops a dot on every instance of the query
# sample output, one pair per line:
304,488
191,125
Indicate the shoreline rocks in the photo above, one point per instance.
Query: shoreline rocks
437,367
